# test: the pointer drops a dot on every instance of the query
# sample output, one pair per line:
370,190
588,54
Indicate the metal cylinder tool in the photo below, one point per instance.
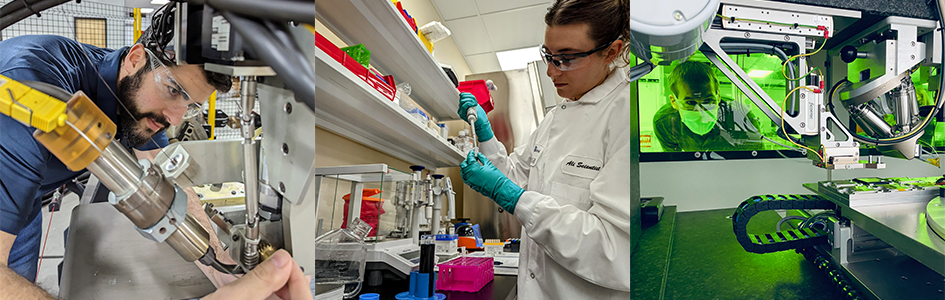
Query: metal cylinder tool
472,118
250,255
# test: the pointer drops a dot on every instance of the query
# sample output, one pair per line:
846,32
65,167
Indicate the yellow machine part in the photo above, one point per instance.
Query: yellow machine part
78,149
30,106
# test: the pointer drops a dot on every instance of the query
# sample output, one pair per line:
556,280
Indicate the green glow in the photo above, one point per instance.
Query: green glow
759,73
654,95
765,70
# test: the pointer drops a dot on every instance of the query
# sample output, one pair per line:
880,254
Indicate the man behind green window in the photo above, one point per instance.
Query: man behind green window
697,119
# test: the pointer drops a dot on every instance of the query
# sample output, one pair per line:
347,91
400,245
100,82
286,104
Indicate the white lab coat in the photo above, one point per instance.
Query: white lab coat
575,211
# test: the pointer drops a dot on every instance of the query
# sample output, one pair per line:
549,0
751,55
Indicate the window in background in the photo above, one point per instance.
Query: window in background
729,120
710,114
91,31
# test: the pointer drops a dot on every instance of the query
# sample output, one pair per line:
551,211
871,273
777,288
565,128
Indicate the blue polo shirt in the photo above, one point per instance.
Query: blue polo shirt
27,169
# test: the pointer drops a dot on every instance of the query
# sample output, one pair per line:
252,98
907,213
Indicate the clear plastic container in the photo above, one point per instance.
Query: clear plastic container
340,257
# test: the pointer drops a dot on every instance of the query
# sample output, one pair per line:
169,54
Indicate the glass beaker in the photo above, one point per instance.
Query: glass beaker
340,256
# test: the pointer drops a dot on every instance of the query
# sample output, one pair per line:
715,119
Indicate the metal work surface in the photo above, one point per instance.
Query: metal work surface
893,277
862,192
694,255
901,225
106,258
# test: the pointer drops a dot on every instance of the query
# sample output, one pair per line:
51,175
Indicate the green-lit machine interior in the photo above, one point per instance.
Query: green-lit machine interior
744,127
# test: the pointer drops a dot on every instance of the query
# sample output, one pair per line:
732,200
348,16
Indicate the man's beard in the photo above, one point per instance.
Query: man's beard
132,132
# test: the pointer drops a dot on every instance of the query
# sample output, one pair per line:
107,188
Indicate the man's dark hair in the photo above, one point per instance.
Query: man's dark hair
220,82
693,74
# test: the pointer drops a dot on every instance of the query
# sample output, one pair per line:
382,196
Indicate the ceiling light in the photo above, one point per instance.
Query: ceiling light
147,10
159,2
517,59
758,73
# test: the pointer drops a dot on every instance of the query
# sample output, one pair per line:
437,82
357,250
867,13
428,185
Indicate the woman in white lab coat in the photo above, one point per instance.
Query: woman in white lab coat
569,184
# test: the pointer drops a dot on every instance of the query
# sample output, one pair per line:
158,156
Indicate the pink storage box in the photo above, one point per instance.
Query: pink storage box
478,88
465,274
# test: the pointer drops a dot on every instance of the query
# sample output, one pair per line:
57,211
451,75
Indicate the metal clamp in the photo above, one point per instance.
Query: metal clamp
168,224
174,163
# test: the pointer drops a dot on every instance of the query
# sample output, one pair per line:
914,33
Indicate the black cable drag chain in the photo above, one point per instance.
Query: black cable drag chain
785,239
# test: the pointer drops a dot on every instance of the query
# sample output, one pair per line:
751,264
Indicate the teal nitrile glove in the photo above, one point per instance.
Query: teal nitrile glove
489,181
483,128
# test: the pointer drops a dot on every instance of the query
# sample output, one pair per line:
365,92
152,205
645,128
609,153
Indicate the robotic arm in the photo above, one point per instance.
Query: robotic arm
82,137
878,63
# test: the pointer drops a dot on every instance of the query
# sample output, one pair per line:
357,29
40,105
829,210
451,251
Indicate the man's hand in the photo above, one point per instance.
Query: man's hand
279,274
489,181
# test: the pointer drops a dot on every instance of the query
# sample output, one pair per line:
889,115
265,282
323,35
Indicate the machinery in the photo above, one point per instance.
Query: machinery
281,183
852,74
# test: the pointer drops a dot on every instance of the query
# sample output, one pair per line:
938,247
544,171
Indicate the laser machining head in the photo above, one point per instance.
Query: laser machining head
665,31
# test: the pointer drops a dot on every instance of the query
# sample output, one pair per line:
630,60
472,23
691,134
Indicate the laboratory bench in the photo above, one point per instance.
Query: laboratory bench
694,255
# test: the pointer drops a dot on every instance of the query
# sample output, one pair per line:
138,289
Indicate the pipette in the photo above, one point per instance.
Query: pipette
472,117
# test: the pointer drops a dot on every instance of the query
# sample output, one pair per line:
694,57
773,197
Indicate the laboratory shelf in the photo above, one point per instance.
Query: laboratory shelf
395,50
348,106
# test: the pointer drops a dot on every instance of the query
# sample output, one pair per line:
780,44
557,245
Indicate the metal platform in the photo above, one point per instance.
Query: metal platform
935,215
902,225
106,258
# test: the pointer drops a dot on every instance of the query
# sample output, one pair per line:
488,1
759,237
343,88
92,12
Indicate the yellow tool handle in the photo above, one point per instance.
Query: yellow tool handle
31,107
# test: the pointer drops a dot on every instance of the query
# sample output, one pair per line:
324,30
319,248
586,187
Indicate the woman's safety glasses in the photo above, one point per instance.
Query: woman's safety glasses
170,89
570,61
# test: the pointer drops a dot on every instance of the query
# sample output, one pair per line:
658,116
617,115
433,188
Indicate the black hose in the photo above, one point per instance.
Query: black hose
49,89
279,31
278,10
16,15
833,89
268,48
210,259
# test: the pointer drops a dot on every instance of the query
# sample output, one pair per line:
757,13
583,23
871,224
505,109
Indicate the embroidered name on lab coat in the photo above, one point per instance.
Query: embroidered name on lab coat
581,166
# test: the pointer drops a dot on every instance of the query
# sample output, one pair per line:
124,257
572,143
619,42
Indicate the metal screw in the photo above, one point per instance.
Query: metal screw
288,108
108,135
912,56
747,35
173,162
163,230
803,96
822,109
285,148
678,16
173,221
803,124
838,144
236,238
282,187
754,153
698,154
232,192
823,128
787,38
913,43
903,278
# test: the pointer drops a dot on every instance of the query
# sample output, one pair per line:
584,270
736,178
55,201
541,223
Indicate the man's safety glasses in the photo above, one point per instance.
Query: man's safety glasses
570,61
169,88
